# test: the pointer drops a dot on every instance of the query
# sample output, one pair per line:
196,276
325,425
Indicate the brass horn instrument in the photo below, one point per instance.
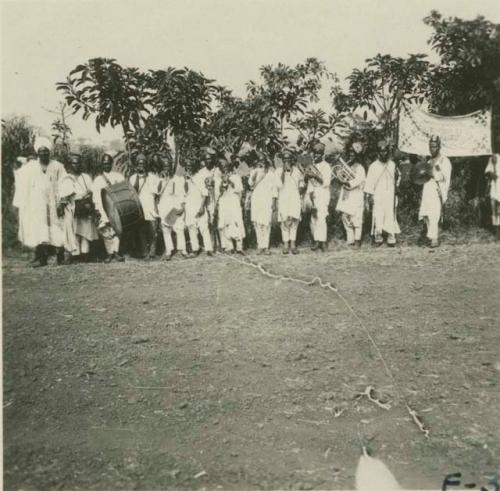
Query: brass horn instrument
305,163
343,172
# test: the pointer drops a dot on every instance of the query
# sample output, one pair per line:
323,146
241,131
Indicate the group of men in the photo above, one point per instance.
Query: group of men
61,206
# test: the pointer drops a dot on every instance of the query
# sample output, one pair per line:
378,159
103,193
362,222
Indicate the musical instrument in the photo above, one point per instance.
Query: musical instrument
421,172
122,206
343,172
305,163
84,207
173,215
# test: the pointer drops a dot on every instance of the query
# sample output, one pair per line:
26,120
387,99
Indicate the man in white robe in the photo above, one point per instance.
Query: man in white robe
290,183
42,227
79,230
106,177
381,183
264,186
318,192
210,172
229,189
492,172
435,191
147,185
351,200
171,208
196,214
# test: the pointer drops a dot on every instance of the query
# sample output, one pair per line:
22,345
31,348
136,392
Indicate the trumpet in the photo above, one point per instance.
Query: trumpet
343,172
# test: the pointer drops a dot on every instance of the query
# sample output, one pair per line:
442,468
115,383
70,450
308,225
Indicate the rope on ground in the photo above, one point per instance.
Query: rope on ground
328,286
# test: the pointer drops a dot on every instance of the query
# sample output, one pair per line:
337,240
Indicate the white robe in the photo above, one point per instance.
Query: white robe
289,201
213,196
147,187
196,193
380,182
494,188
85,226
68,189
265,191
435,190
351,201
321,191
39,198
102,181
172,195
230,216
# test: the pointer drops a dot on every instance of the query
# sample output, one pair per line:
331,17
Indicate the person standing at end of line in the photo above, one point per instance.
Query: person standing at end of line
39,197
435,191
290,185
318,190
351,199
106,177
147,186
196,210
380,188
229,212
264,186
492,172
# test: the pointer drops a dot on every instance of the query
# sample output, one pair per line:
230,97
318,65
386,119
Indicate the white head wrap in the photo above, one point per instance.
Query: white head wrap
22,160
42,141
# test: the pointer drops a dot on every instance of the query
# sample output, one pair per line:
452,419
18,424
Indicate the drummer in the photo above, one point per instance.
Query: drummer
147,186
106,177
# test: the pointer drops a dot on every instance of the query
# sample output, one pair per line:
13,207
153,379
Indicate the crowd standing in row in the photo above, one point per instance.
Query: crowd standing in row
61,206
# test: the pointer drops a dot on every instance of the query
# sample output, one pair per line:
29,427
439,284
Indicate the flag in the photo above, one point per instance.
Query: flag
461,136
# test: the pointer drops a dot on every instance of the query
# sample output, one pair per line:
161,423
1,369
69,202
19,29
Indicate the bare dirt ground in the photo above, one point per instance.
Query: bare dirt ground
205,374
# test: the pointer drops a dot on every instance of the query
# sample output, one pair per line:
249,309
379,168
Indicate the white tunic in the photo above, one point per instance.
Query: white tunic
321,191
435,190
289,202
494,183
213,196
39,198
195,194
265,191
230,218
351,200
100,182
85,226
380,182
147,187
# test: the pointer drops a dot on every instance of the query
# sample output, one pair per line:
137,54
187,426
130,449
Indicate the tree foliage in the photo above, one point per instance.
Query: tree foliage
382,85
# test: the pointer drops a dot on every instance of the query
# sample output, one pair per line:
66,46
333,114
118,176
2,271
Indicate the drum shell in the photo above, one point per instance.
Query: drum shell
122,206
421,173
84,207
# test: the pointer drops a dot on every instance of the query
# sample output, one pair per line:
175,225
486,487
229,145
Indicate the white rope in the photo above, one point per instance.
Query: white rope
328,286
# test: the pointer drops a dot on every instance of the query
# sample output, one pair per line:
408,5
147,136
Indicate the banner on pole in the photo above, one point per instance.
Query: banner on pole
461,136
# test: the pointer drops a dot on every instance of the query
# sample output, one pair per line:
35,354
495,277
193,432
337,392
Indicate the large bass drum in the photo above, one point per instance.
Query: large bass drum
122,206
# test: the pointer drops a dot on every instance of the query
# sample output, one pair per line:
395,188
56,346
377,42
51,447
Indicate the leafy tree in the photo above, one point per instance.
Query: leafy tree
466,79
289,90
382,85
250,121
182,100
112,94
468,75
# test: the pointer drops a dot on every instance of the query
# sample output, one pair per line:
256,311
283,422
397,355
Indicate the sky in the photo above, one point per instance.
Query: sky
227,40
